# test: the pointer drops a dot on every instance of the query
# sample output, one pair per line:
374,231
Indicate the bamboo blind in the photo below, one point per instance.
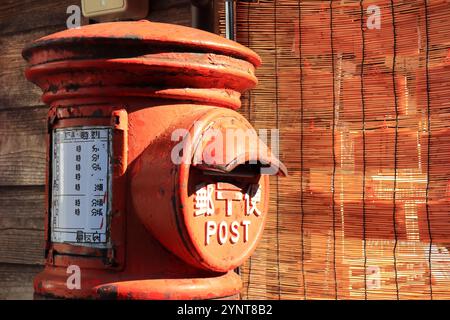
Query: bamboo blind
363,116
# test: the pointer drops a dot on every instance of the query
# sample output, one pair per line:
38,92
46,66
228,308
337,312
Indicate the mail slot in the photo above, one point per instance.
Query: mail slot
156,187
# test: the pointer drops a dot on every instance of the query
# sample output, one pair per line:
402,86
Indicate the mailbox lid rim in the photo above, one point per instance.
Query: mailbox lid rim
168,36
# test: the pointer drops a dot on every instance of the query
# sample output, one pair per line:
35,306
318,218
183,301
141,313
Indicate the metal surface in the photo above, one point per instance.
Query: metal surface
144,81
230,19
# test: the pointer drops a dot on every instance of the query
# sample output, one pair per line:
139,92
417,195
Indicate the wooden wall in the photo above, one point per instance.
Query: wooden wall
22,134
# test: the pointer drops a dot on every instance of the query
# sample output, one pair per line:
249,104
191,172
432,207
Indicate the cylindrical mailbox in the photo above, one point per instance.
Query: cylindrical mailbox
156,187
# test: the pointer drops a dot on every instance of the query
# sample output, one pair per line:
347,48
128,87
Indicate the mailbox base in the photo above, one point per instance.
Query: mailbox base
52,283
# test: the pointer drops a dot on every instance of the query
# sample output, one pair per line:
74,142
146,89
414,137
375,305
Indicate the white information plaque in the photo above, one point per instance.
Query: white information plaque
81,186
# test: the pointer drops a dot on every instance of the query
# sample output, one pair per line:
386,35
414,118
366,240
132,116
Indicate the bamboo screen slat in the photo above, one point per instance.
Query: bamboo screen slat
364,128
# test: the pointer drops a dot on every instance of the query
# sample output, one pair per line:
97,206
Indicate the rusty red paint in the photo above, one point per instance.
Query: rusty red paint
144,80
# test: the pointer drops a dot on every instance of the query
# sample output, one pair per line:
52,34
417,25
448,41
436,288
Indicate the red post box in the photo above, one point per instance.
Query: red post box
156,188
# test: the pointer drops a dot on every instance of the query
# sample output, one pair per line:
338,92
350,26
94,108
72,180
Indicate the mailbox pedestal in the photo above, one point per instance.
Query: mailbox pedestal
156,188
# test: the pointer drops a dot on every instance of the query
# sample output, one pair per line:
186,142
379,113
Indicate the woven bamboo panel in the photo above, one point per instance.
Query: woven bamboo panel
363,118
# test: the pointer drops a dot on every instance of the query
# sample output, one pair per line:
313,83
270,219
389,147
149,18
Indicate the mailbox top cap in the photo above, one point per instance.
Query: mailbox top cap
158,35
